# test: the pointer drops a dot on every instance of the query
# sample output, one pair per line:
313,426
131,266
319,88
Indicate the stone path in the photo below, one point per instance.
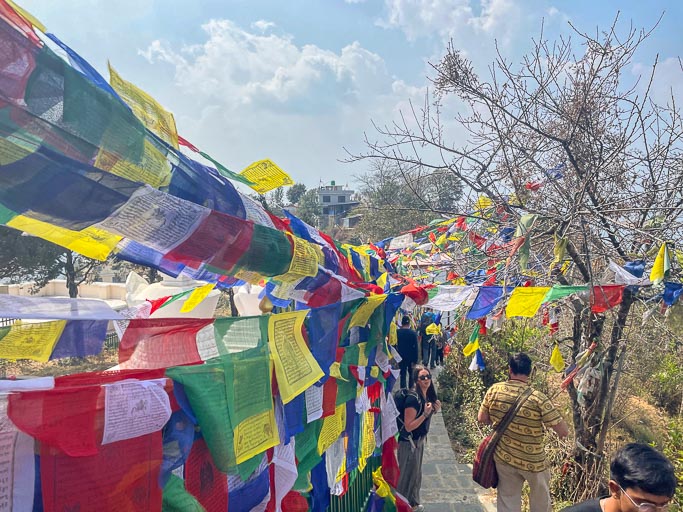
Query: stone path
446,485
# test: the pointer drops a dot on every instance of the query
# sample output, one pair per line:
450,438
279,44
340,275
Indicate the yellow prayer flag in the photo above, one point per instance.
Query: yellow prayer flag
91,242
146,108
295,367
332,428
556,360
28,17
153,169
335,371
525,301
12,151
362,356
342,467
559,251
662,265
367,439
196,297
304,261
383,489
471,347
483,203
362,315
266,176
382,280
255,435
34,341
433,329
393,334
374,372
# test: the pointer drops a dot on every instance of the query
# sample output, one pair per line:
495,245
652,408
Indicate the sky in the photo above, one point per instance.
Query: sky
299,81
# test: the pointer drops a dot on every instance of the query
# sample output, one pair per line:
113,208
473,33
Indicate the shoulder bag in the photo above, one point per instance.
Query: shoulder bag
484,468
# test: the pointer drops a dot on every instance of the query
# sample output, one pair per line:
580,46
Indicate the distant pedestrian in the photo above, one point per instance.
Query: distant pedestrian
520,455
641,479
407,349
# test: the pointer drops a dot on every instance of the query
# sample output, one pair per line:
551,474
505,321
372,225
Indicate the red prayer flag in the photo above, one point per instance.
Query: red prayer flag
122,476
203,479
160,343
605,297
329,397
390,469
59,418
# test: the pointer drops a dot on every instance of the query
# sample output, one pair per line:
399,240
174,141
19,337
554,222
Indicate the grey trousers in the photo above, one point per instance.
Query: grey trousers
510,481
410,465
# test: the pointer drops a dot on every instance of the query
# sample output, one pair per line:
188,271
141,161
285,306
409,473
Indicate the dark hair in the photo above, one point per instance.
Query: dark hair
520,364
431,395
638,465
405,320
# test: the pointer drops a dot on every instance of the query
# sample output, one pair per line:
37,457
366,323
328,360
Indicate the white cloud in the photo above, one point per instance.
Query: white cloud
244,95
447,19
263,25
668,81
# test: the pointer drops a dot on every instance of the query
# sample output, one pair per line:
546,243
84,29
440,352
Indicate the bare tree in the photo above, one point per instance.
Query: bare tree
572,136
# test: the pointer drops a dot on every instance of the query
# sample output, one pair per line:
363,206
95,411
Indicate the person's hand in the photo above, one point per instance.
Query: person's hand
429,409
437,406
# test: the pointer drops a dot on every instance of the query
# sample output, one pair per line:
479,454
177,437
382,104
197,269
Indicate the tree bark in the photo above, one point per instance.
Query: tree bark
70,273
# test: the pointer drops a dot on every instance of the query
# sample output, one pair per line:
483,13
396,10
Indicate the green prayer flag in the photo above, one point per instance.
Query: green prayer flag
175,497
206,389
559,291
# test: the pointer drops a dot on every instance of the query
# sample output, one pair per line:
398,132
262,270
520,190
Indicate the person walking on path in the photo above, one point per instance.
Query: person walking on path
419,407
407,349
641,479
426,342
520,455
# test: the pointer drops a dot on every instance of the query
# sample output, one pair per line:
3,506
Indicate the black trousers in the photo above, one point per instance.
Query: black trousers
406,366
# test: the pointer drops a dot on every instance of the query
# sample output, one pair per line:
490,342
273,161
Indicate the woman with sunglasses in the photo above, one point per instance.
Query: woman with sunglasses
420,404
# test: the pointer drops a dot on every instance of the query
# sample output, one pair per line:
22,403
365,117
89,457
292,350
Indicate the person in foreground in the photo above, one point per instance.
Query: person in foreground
407,349
419,407
519,455
641,480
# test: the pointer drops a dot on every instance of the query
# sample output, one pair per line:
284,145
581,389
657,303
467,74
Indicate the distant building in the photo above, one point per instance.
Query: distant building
336,202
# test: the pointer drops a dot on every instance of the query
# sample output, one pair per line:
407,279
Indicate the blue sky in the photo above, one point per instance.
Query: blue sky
296,81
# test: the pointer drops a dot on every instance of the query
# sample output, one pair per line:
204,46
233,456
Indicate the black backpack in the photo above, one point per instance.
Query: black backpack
400,401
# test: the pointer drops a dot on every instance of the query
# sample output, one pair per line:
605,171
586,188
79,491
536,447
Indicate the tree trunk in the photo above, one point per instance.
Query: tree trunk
231,299
70,273
591,420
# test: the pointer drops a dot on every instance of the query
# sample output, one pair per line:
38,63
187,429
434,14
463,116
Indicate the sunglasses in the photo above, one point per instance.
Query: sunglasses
425,377
645,506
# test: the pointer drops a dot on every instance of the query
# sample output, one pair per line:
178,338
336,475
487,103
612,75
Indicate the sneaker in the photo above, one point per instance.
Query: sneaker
418,508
